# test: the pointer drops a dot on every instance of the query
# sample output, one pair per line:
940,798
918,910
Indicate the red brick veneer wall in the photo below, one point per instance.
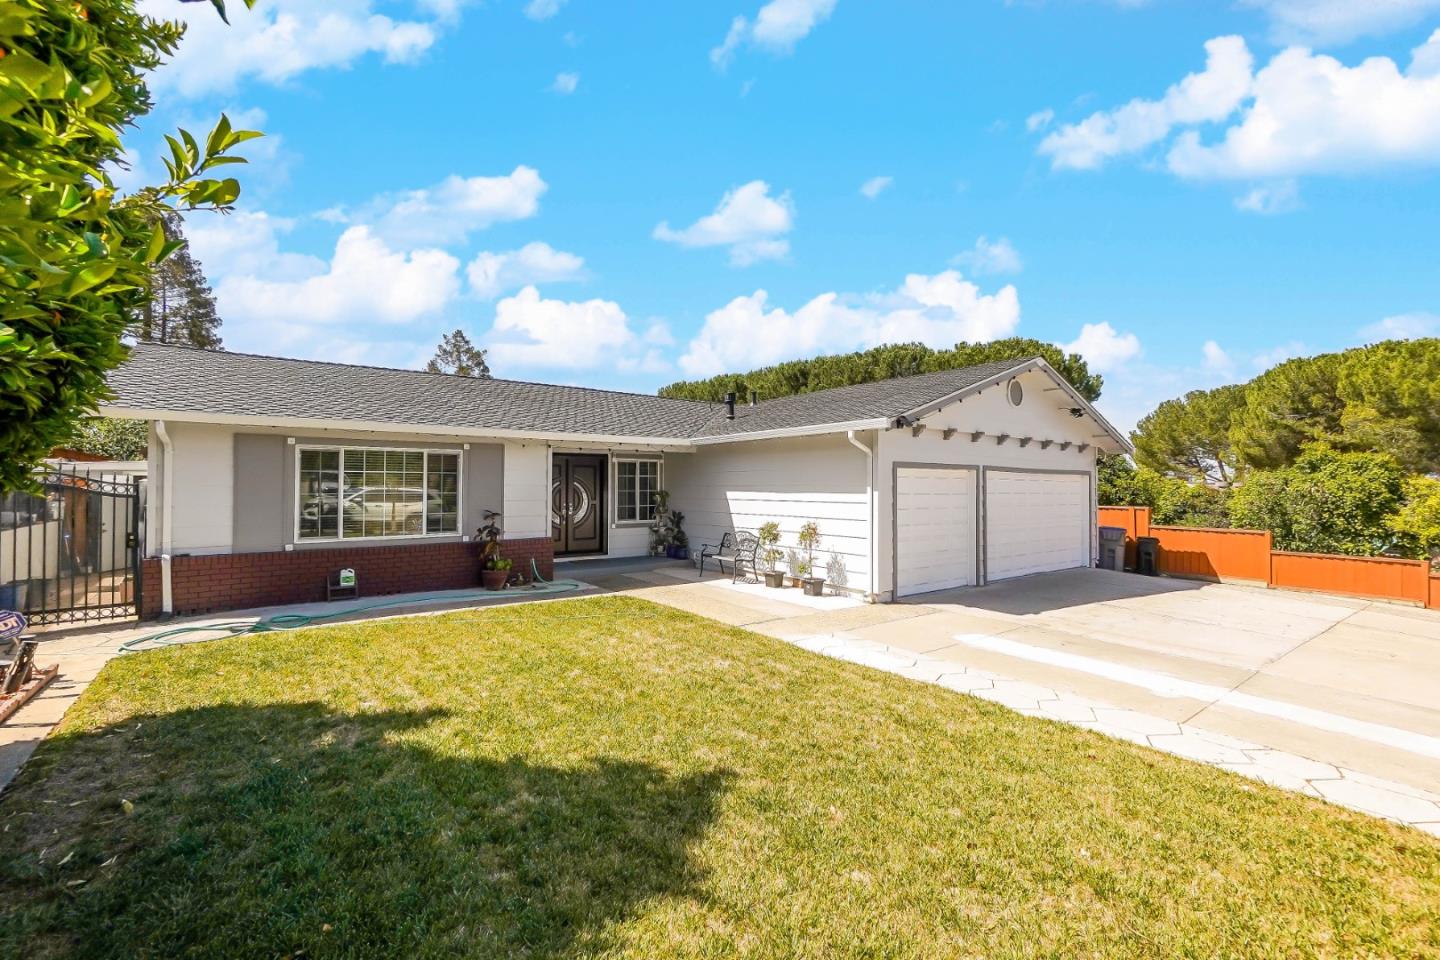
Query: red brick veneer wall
234,581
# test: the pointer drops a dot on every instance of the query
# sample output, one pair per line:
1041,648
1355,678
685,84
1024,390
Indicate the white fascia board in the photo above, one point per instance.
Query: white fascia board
811,431
378,426
1038,363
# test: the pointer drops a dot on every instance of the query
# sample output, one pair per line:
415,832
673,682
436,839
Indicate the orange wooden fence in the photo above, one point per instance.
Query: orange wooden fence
1214,554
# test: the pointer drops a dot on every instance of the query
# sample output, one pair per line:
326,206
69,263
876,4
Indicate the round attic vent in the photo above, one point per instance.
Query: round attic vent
1016,393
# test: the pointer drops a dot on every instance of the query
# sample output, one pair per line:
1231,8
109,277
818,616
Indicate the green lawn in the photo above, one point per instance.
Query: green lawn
605,777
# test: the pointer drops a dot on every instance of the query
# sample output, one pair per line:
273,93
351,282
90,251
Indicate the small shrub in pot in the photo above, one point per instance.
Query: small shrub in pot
809,539
769,537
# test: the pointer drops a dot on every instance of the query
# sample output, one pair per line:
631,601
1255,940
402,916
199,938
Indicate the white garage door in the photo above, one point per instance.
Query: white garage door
934,529
1035,522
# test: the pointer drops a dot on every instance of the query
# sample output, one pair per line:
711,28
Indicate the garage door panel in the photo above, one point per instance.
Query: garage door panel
1035,522
934,529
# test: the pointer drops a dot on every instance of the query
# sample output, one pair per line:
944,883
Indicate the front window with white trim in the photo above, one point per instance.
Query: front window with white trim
636,482
363,493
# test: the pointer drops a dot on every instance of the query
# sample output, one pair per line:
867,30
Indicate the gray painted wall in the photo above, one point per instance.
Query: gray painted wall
264,498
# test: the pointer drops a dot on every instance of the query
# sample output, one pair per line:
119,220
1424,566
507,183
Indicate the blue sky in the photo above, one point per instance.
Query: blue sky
627,194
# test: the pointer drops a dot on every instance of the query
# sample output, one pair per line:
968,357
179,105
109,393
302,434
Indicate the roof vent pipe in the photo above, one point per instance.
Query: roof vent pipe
730,406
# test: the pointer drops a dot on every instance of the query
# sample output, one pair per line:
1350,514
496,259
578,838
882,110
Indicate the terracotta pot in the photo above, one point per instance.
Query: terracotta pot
494,579
775,578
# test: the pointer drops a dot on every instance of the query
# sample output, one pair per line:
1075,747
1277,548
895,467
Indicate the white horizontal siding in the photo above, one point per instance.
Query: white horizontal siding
204,486
527,488
739,486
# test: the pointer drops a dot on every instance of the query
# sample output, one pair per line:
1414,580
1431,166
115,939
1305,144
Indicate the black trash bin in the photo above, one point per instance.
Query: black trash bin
1147,556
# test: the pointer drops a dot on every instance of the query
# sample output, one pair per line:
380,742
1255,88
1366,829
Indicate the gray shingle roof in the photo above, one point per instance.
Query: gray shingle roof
181,379
864,401
173,379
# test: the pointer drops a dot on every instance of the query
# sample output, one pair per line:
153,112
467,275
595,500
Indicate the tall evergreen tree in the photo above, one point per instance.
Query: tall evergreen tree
181,308
458,356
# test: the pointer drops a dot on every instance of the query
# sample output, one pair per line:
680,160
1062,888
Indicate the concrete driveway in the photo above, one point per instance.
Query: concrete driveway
1347,681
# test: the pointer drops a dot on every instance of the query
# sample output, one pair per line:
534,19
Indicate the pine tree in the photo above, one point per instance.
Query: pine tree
181,309
458,356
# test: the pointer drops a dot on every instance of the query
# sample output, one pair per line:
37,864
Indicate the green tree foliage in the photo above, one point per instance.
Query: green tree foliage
1327,501
181,307
1384,397
1391,397
1190,437
1417,523
1172,501
112,438
458,356
1286,407
883,363
77,258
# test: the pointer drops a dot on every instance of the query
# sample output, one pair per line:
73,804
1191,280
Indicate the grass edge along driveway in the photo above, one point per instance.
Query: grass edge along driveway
607,777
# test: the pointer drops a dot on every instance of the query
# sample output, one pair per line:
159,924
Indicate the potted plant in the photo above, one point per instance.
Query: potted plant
678,547
770,554
494,569
496,573
809,539
667,535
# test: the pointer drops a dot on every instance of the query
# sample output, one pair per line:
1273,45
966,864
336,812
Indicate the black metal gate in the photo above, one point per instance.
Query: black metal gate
71,552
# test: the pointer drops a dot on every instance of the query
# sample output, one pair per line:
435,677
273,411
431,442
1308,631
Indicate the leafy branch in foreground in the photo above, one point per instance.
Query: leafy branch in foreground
77,258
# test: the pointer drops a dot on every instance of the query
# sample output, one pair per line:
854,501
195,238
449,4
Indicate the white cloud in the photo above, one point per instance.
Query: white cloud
1312,114
543,9
986,257
1282,196
565,83
1208,96
1303,113
279,40
938,310
491,274
1324,22
455,207
1216,359
530,331
1039,120
747,220
246,243
1103,348
875,186
365,280
1404,326
778,26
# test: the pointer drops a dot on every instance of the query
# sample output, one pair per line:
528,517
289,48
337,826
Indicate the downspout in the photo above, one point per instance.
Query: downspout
872,594
167,489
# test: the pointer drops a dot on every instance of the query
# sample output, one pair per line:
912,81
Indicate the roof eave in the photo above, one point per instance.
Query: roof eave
1035,363
873,423
380,426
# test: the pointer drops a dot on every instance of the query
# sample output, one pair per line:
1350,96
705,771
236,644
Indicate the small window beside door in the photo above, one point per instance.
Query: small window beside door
636,482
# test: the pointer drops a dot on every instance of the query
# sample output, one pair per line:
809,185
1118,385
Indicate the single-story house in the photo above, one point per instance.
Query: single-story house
268,474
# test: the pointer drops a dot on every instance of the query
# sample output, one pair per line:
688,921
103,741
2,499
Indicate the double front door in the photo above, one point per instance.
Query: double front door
577,503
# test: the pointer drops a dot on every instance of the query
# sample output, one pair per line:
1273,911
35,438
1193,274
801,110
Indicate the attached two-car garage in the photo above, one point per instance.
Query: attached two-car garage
1028,521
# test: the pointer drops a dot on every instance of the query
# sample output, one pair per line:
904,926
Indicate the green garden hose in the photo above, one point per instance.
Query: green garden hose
294,621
